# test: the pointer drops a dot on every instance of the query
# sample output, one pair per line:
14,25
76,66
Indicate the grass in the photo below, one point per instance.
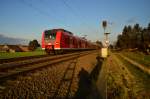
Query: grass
138,73
5,55
141,80
138,57
115,90
147,58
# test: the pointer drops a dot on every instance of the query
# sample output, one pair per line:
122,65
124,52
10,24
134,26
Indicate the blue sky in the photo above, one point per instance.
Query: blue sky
28,18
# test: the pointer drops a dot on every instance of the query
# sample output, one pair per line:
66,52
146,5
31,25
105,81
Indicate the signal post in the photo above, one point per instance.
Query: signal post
104,50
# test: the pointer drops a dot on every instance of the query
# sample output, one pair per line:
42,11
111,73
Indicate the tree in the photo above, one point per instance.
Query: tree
120,42
33,45
36,43
134,37
148,28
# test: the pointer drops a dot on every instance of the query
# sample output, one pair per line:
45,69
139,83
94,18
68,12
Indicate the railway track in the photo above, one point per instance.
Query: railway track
17,59
18,64
21,58
67,80
12,70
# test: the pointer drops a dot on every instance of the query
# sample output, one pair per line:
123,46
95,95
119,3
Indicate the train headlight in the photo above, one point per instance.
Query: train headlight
57,43
49,44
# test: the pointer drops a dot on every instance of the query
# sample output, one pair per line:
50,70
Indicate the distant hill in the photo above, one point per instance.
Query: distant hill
12,41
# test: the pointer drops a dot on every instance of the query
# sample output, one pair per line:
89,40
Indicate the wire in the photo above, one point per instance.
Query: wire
52,10
69,7
76,14
44,13
41,12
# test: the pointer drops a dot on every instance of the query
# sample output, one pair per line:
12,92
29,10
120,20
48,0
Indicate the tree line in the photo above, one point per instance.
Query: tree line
134,37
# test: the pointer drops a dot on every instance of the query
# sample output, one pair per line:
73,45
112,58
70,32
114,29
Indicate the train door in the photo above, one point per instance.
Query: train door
67,41
71,42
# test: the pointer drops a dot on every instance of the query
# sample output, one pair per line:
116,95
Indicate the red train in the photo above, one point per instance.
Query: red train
60,40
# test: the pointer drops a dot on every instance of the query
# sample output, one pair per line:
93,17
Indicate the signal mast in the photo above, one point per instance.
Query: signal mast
106,40
104,50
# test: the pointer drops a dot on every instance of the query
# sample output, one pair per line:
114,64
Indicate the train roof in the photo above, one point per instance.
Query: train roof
66,31
54,30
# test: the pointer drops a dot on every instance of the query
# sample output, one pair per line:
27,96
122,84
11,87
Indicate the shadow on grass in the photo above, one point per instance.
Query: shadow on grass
87,83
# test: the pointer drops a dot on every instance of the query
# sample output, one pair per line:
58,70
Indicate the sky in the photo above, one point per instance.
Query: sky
27,19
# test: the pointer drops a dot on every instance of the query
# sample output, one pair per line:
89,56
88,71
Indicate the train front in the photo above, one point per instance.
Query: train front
48,41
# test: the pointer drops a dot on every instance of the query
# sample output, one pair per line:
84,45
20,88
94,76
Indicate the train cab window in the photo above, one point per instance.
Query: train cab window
50,35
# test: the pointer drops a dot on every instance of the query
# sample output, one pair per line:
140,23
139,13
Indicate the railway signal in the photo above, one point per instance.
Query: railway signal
104,24
104,51
106,39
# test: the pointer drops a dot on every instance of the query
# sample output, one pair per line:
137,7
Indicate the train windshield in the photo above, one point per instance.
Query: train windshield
50,35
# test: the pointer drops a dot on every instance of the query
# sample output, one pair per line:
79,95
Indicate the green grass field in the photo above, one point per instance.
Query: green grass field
5,55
